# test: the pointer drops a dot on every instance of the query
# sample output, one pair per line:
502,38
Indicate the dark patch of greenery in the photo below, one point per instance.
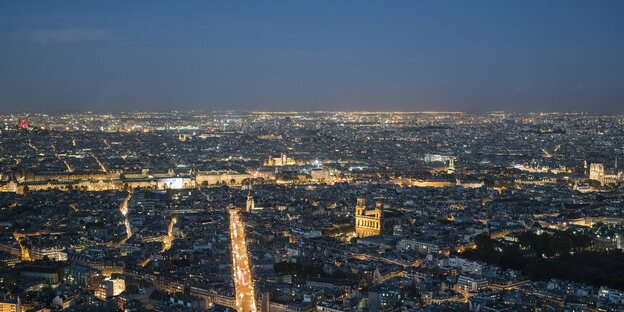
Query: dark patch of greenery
558,244
300,272
561,255
341,230
297,270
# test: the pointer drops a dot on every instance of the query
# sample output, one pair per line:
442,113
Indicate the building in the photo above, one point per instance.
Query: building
429,158
465,265
367,222
11,305
320,174
215,177
75,274
110,288
37,272
283,160
370,222
381,299
598,173
422,246
471,283
451,165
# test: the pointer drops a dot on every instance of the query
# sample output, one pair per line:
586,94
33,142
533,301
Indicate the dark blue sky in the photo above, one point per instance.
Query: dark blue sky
295,55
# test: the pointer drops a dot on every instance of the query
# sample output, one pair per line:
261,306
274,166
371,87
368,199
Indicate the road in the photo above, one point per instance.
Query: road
241,272
168,239
123,208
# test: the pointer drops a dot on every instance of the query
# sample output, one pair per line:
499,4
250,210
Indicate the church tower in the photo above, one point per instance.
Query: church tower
451,165
360,207
250,200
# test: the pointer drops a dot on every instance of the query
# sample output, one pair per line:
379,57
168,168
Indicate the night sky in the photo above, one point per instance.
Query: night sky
472,56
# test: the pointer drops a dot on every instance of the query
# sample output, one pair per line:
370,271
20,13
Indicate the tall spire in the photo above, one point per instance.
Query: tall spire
250,200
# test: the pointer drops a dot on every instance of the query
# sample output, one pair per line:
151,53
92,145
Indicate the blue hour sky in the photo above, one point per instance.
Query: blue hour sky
472,56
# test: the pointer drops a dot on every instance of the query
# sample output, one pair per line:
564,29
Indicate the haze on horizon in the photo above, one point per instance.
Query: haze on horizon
467,56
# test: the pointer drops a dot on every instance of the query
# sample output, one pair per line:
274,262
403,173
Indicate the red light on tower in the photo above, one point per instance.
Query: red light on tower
23,124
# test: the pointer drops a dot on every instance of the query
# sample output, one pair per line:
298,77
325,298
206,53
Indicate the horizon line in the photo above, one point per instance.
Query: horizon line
42,113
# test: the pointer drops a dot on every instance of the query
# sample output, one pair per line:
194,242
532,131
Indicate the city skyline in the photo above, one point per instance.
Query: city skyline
311,211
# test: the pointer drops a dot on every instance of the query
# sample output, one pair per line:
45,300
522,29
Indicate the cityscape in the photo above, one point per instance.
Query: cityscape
312,156
312,211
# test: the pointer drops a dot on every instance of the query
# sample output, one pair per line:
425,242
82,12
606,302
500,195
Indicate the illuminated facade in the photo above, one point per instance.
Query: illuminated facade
283,160
451,165
11,305
43,177
222,176
429,158
110,288
100,181
367,222
598,173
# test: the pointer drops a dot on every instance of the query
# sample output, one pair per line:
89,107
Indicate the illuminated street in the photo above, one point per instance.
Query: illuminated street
25,252
168,239
243,280
123,208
